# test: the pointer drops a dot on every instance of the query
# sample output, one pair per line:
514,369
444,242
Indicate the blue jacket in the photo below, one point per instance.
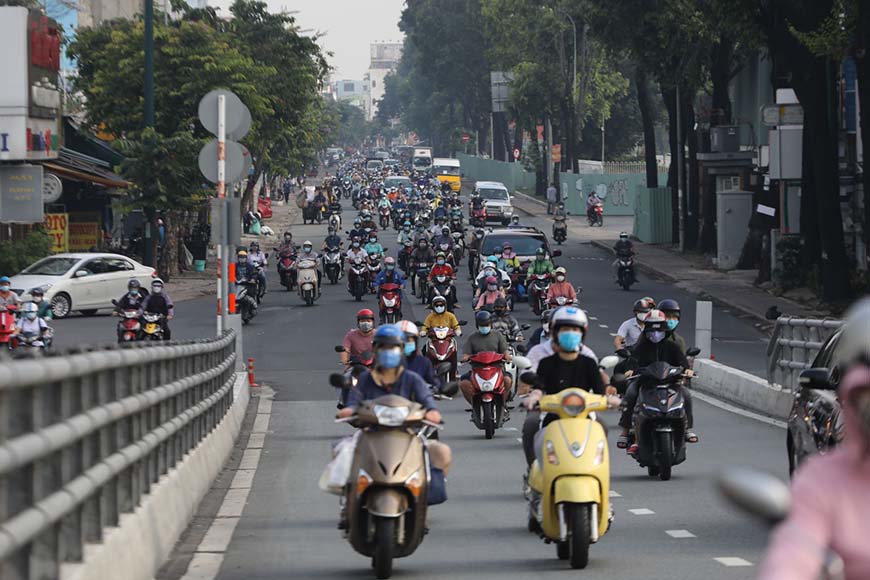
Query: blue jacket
423,367
410,385
396,278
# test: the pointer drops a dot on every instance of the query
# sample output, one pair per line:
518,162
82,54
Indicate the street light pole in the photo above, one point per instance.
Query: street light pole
148,116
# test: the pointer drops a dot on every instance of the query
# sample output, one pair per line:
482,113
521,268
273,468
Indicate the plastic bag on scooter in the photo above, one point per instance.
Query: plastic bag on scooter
437,486
335,476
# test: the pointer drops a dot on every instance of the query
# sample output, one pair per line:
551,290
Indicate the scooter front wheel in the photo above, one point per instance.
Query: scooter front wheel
488,420
385,533
579,540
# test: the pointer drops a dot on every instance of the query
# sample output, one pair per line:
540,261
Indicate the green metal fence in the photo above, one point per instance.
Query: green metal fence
512,175
652,222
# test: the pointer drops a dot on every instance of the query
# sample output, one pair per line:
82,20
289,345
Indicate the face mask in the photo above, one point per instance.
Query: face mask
672,323
356,244
4,288
37,299
131,293
366,326
389,359
484,330
440,309
373,241
656,336
639,316
505,254
157,289
390,267
307,249
570,340
407,229
30,315
546,327
560,278
288,240
440,262
492,287
410,348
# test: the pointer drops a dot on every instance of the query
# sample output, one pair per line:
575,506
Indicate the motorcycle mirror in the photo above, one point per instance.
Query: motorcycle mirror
521,362
694,351
556,253
339,348
525,326
114,302
757,493
450,388
337,381
579,289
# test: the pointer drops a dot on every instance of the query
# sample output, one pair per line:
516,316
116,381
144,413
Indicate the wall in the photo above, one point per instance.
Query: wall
616,189
511,174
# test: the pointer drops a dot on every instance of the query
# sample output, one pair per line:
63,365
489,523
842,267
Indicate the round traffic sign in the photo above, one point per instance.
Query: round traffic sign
235,162
208,112
516,153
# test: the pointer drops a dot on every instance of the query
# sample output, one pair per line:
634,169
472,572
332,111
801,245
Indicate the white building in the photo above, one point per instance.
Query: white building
385,58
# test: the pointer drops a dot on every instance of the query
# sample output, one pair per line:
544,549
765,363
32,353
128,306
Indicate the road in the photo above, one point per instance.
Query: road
676,529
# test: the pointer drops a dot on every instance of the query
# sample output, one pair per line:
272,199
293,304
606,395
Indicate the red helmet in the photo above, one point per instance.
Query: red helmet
365,313
491,280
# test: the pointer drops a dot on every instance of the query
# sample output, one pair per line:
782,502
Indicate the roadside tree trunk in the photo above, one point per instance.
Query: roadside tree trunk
647,116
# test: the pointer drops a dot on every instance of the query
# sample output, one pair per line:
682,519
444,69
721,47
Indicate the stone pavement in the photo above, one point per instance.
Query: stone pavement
733,289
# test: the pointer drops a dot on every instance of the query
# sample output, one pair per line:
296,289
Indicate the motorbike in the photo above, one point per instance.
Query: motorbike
596,215
287,270
442,286
564,300
659,420
442,348
456,220
458,248
375,266
309,290
387,500
625,272
384,217
357,365
152,327
473,263
538,287
335,221
358,279
478,217
41,340
422,278
7,327
489,398
319,211
130,326
246,301
569,485
332,264
390,302
560,229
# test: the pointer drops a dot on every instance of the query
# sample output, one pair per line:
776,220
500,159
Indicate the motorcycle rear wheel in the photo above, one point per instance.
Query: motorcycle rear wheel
579,539
385,533
666,450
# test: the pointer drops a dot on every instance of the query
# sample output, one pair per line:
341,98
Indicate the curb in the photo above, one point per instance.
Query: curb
741,388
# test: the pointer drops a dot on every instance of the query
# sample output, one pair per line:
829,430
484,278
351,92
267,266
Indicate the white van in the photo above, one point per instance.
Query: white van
422,160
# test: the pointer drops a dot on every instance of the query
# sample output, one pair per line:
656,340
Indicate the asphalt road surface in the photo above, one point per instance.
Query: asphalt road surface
670,530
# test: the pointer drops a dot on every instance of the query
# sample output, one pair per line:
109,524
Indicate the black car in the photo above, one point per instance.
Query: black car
815,424
525,242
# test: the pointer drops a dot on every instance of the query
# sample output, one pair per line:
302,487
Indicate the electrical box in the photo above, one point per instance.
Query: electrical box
733,211
725,139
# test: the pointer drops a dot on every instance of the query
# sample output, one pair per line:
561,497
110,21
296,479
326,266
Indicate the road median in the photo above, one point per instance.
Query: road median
741,388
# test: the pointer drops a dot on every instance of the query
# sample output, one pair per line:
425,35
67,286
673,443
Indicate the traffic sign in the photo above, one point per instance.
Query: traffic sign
466,137
244,126
517,153
235,161
791,114
235,113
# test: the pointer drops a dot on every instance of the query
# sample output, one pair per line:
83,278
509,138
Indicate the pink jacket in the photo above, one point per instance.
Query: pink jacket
830,505
488,298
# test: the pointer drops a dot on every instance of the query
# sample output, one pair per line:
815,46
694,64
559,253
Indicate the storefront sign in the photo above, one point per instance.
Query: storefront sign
57,227
83,236
21,194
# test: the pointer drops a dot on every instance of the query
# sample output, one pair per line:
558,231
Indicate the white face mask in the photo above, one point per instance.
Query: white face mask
560,278
440,309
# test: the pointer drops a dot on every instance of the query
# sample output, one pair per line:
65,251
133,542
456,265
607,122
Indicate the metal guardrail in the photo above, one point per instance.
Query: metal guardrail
793,346
85,436
629,167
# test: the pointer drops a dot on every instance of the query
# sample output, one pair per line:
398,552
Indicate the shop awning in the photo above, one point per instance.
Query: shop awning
78,167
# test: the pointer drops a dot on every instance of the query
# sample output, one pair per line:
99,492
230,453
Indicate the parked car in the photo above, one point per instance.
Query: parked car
83,282
815,424
525,242
496,199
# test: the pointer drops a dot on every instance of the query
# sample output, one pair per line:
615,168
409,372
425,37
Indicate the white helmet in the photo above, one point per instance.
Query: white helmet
409,328
854,343
568,316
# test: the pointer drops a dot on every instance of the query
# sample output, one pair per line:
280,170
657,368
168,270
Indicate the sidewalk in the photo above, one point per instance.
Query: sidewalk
190,285
732,289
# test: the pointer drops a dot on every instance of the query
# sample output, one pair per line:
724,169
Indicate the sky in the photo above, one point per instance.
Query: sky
347,27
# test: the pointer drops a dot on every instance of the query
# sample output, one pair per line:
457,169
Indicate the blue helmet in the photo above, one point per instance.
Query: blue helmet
388,335
5,279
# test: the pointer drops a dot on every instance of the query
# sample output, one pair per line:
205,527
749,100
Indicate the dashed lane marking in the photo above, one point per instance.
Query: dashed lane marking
511,429
641,512
612,334
520,439
615,493
680,534
733,562
603,326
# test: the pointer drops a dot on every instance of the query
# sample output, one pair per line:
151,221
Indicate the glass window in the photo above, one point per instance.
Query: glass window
523,245
51,266
116,265
494,194
446,171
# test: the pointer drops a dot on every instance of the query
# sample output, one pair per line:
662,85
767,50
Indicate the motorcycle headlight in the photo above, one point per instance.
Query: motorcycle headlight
391,416
485,386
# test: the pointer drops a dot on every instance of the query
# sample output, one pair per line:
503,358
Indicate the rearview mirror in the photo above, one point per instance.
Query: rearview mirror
521,362
694,351
520,348
81,273
114,302
816,378
556,253
756,493
337,381
579,289
339,348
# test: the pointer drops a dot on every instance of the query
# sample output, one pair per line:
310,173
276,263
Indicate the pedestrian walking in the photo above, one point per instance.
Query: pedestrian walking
286,191
552,198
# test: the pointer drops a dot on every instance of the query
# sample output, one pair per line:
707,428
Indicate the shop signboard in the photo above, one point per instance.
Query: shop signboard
83,236
21,194
57,228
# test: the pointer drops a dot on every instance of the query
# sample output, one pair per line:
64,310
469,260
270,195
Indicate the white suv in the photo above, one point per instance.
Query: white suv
497,200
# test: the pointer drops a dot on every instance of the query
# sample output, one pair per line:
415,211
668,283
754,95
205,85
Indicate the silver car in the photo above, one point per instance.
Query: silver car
497,200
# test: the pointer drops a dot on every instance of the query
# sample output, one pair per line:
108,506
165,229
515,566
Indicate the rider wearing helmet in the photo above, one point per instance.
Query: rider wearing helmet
504,322
257,258
508,259
623,249
483,340
561,288
541,333
629,331
829,508
7,296
159,302
540,265
389,275
515,222
131,300
492,293
373,246
37,296
441,317
414,361
652,347
359,340
566,368
287,246
332,240
671,310
357,230
30,322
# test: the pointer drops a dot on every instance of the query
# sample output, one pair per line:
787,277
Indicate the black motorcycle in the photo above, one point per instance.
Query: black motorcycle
560,229
332,264
625,272
358,279
246,301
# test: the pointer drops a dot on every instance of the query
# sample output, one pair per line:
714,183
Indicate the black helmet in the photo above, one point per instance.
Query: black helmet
546,314
642,306
500,304
483,318
669,305
133,283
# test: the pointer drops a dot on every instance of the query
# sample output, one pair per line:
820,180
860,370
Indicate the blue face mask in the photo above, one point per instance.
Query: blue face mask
440,262
410,348
484,330
672,323
389,359
570,341
656,336
4,288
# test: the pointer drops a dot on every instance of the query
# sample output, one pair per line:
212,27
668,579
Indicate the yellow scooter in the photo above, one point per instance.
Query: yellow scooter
569,501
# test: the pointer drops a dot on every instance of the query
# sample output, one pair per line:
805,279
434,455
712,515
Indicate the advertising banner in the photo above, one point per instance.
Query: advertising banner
83,236
57,228
21,194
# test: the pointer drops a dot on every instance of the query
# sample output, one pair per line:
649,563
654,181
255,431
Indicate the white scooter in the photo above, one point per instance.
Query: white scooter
306,276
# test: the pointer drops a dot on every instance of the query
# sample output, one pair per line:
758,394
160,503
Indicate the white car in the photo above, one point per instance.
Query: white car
85,282
496,199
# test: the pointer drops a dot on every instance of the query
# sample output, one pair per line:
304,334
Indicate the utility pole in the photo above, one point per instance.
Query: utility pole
148,253
682,224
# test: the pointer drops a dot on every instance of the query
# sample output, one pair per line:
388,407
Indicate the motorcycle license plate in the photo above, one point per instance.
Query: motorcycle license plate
151,327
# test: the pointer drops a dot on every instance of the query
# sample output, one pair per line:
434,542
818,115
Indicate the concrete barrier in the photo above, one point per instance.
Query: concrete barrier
741,388
144,539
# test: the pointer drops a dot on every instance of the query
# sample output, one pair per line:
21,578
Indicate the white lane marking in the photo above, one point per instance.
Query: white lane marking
593,318
738,411
511,429
641,512
264,406
732,561
218,536
244,479
234,503
603,326
204,566
680,534
250,459
520,439
615,493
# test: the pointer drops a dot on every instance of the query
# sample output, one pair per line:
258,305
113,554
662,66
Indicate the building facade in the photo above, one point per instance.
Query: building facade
385,58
